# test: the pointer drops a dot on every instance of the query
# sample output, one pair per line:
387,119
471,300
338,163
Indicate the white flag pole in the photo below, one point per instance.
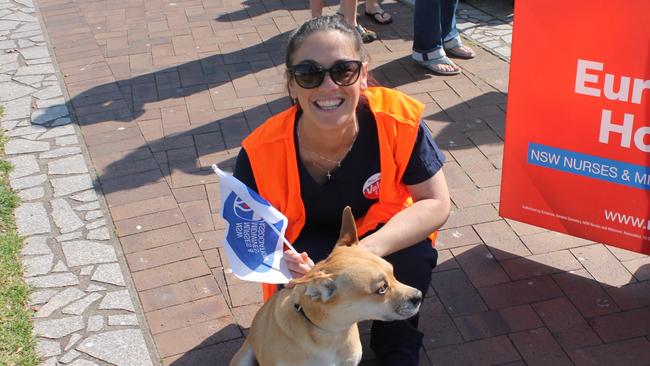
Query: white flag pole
222,174
284,240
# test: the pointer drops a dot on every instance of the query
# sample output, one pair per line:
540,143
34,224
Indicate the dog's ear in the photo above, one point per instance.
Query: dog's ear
348,235
321,289
319,285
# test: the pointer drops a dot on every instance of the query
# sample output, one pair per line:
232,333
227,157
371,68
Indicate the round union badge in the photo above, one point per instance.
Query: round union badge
371,187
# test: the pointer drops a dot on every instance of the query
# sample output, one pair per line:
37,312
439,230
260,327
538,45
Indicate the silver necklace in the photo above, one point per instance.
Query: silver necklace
328,173
337,163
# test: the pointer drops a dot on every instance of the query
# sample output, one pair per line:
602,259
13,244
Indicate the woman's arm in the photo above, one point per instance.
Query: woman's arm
428,213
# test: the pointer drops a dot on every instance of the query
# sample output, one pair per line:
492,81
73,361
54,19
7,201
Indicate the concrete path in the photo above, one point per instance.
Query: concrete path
116,110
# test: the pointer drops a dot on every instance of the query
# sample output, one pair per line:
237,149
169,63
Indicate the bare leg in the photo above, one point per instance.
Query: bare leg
373,7
349,10
316,7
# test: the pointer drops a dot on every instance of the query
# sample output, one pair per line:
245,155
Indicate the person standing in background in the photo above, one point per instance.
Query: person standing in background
347,10
435,36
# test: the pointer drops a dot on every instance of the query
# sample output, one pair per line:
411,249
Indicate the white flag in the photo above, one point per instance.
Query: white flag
254,233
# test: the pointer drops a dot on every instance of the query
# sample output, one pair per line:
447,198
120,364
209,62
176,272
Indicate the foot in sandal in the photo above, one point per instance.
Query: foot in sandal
441,66
378,15
461,51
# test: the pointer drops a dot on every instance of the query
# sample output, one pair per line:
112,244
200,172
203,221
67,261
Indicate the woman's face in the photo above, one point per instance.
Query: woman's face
328,106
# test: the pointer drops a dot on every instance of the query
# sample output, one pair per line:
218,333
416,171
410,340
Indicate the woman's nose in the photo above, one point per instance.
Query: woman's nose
328,83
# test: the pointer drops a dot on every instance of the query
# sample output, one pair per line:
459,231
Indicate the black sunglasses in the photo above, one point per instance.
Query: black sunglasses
311,75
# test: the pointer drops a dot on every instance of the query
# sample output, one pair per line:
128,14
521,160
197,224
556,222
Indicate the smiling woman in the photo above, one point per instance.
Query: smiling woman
326,75
341,144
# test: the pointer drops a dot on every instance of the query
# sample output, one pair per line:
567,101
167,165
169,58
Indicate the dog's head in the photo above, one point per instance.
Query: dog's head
353,284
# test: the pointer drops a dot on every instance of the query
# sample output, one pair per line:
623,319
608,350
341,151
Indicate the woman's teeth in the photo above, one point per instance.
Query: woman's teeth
329,103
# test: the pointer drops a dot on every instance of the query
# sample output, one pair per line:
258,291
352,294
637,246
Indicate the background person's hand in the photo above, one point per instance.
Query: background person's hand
297,263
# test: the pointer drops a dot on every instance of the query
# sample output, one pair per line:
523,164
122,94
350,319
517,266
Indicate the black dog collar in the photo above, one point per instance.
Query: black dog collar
299,310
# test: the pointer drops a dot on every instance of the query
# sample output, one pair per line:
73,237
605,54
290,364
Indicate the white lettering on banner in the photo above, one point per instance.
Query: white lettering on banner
588,76
639,87
606,126
617,217
590,167
544,156
611,216
639,138
623,89
642,178
625,129
583,76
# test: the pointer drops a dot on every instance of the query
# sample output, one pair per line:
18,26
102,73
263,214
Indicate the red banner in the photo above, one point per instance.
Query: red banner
577,151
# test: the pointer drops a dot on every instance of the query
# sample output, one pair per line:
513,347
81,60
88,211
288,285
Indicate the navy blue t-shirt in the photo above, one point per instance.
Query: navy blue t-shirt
324,203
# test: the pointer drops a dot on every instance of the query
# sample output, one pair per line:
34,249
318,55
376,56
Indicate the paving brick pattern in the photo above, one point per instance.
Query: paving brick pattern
162,89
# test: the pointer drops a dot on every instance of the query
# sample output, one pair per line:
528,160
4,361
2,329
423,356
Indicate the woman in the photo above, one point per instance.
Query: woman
344,144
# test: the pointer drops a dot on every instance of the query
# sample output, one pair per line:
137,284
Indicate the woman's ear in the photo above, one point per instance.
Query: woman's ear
292,96
364,76
289,88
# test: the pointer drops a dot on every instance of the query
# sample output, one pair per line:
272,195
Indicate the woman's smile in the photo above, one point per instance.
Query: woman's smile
329,104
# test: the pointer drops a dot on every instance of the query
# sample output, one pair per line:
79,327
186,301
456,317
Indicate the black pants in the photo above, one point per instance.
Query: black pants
398,343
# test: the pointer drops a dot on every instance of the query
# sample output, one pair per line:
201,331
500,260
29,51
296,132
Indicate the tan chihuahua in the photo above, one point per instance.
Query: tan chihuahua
315,322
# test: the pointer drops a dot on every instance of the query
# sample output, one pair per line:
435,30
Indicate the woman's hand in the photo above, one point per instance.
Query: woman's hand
298,264
428,213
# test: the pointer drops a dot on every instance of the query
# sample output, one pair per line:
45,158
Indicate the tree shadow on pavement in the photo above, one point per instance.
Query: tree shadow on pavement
217,349
491,306
193,151
125,100
185,118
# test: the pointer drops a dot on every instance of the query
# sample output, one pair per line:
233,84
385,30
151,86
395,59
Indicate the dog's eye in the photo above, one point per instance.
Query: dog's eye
382,289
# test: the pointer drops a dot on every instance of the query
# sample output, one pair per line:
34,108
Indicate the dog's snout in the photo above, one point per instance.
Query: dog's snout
416,298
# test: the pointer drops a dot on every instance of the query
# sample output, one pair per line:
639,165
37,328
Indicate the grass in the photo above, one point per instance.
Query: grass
17,345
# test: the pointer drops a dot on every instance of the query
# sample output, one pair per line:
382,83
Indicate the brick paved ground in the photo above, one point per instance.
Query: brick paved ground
163,89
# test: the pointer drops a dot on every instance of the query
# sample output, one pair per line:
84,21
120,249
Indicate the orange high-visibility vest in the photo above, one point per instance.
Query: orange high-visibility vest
271,150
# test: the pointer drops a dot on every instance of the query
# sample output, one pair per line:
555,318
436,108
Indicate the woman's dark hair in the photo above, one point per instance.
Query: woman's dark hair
319,24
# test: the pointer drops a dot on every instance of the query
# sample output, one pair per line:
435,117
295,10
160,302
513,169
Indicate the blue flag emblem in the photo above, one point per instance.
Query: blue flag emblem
257,241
